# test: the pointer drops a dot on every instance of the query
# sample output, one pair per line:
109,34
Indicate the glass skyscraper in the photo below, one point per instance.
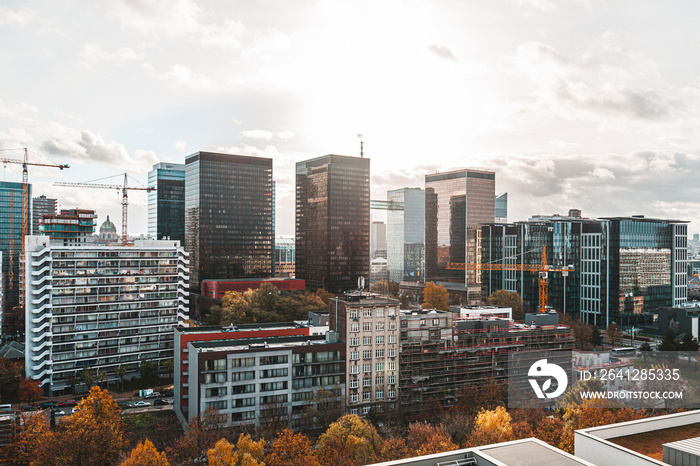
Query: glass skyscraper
332,222
405,233
228,216
166,205
11,237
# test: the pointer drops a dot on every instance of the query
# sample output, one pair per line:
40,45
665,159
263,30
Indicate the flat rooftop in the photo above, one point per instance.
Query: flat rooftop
651,443
258,343
242,327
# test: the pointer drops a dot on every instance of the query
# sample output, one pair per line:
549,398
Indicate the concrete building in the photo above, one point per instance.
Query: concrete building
166,205
69,227
41,205
100,307
405,231
368,324
377,240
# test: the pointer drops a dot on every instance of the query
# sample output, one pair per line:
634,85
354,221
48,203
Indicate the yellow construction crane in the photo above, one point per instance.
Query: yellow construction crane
125,197
25,202
542,269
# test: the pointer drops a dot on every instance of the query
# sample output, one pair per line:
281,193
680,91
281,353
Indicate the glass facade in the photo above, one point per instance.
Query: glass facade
228,216
501,208
332,221
166,205
11,237
406,235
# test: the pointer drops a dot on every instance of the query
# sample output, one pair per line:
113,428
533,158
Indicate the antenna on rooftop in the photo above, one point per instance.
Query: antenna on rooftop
362,145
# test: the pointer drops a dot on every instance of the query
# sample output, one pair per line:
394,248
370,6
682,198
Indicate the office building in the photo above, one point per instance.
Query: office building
70,226
285,257
378,271
456,204
332,222
377,240
405,232
368,324
11,238
98,307
501,208
41,205
228,216
166,205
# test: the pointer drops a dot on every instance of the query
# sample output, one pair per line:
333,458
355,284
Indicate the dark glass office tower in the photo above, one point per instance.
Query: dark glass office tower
456,203
11,237
228,216
41,205
166,205
405,232
332,222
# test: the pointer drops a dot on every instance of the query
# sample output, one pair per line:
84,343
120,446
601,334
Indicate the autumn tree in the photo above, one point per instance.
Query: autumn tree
246,453
435,297
29,390
596,338
325,407
10,373
614,334
492,426
145,454
395,448
28,430
349,441
509,299
291,449
597,412
273,418
425,439
202,433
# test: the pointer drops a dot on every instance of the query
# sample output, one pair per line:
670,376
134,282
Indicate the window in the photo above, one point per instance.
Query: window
354,383
244,416
380,339
380,353
367,326
265,360
270,386
215,365
353,411
215,404
367,354
354,398
392,393
380,312
379,394
392,380
366,340
354,341
436,322
392,325
392,339
379,380
215,391
380,326
379,367
243,402
238,389
354,355
216,377
270,399
243,362
392,312
422,322
367,382
391,366
365,409
354,328
392,352
245,375
353,314
368,313
366,396
269,373
366,368
354,369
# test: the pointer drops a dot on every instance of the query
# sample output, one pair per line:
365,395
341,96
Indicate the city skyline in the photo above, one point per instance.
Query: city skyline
572,104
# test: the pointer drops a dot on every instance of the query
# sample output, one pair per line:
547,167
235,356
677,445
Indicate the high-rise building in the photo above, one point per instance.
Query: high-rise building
377,240
100,307
11,238
41,205
501,208
405,232
166,205
228,216
332,221
456,204
284,257
70,226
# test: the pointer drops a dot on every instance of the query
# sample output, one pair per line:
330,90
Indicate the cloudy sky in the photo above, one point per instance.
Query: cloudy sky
573,103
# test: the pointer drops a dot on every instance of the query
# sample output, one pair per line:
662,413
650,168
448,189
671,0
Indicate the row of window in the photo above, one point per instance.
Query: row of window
379,367
378,395
379,312
367,326
367,354
367,340
367,381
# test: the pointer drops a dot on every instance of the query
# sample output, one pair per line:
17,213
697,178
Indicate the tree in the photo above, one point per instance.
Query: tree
582,333
291,449
509,299
273,418
669,344
145,454
120,371
435,297
349,441
87,377
169,365
202,433
324,295
614,334
688,345
29,390
148,369
247,452
326,407
425,439
10,373
492,426
101,377
27,432
596,338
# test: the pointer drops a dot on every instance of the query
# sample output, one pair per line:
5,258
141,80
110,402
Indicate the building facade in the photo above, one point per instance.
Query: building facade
99,307
501,208
228,216
70,226
406,235
285,257
166,205
11,238
41,205
368,325
332,221
377,240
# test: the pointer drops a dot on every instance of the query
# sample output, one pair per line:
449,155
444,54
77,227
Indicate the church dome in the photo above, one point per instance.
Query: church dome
107,227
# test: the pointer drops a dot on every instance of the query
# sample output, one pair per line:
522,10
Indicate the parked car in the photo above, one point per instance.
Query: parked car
68,403
75,409
154,395
140,404
168,393
59,412
26,408
160,402
123,404
48,404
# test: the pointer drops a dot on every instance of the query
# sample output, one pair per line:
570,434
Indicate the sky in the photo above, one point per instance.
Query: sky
581,104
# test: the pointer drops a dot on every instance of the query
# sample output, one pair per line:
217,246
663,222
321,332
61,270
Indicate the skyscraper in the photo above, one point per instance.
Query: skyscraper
405,233
377,240
41,205
456,203
11,237
501,208
332,221
228,216
166,205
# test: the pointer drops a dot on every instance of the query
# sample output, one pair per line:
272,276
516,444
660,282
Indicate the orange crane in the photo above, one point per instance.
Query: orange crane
125,197
542,269
25,201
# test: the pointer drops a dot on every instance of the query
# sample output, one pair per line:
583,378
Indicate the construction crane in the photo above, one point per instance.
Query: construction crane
542,269
125,197
25,201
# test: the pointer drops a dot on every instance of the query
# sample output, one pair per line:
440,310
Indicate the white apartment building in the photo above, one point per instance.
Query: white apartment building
99,307
369,325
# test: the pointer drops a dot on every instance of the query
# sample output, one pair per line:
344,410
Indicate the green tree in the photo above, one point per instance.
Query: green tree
435,297
120,371
509,299
688,345
148,368
668,342
169,365
596,338
87,377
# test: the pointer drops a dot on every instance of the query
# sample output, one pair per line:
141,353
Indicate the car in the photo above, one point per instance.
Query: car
68,403
123,404
59,412
48,404
160,402
140,404
75,409
26,408
168,393
154,395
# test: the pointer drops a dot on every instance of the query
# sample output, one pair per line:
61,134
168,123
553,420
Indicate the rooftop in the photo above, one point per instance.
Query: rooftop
651,443
242,327
259,343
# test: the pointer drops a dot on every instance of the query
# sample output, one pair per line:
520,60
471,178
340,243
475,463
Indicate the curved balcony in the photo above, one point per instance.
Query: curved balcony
41,346
41,280
40,300
40,375
44,354
40,329
41,252
39,310
38,320
46,270
43,289
41,261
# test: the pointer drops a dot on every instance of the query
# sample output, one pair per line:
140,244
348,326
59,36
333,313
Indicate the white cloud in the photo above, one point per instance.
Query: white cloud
285,135
183,76
256,134
180,145
93,52
225,37
19,16
158,17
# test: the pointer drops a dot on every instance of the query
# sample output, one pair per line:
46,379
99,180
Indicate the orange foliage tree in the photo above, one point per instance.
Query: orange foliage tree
435,297
246,452
146,454
291,449
29,390
425,439
349,441
492,426
28,430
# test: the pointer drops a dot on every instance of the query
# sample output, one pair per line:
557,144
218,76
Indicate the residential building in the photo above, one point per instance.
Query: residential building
264,380
166,205
41,205
456,204
70,226
11,219
98,307
368,324
217,288
332,221
285,257
426,325
377,240
228,216
405,232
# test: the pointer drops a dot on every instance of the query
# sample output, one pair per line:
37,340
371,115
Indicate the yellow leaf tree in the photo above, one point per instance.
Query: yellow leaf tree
246,453
29,429
492,426
435,297
425,439
291,449
146,454
349,441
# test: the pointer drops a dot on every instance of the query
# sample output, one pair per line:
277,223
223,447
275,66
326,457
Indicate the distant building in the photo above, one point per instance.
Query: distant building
70,226
378,270
41,205
332,221
501,208
406,235
98,307
166,205
217,288
228,216
11,238
108,233
377,240
285,257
